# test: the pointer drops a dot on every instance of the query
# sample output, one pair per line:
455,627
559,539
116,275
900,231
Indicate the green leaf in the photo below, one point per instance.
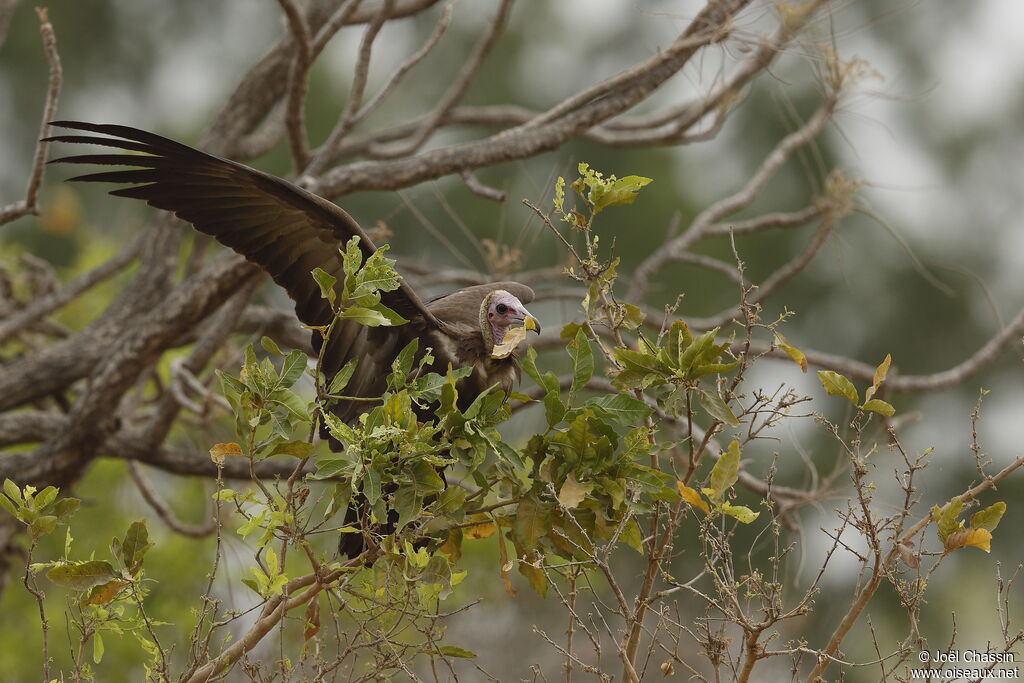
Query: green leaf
796,354
988,518
328,468
877,405
559,200
632,316
365,316
641,362
711,368
717,408
426,478
696,349
82,576
392,317
452,651
342,377
632,537
554,408
582,362
297,407
294,366
13,492
45,497
677,339
618,192
134,546
326,282
43,525
270,346
837,385
408,504
65,507
624,409
530,367
296,448
352,257
725,472
97,647
451,499
743,514
401,366
231,384
6,504
946,517
371,485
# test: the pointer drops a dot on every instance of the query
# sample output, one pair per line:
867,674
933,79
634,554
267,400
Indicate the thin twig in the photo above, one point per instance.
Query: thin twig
455,92
55,300
298,82
29,206
151,496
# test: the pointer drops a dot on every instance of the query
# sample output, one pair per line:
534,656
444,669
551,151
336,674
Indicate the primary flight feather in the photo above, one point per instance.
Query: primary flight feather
288,232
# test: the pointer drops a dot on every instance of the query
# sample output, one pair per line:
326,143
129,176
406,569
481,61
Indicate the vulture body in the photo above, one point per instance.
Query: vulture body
288,232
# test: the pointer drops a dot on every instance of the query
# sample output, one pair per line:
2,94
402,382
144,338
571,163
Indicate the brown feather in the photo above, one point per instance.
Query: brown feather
288,232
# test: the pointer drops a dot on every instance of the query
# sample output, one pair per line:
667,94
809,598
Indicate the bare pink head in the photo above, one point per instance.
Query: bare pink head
504,311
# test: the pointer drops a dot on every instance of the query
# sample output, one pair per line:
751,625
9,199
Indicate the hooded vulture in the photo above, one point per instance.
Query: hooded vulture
288,232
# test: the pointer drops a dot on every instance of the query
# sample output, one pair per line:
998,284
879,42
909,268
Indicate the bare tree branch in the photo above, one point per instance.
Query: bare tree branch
298,74
28,205
455,92
54,301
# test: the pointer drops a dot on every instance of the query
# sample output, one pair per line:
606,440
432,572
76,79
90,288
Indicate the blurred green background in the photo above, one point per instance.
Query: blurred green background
938,136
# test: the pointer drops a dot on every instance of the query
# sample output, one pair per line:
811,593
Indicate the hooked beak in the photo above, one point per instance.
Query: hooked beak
528,321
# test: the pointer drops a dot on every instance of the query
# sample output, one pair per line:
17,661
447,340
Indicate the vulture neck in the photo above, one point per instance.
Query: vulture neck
497,334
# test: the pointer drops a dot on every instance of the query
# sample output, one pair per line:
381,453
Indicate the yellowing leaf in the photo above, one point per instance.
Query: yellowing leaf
452,547
691,497
877,405
506,566
82,575
796,354
219,450
513,337
740,512
837,385
312,619
880,372
909,556
989,517
573,492
725,472
104,593
979,538
483,529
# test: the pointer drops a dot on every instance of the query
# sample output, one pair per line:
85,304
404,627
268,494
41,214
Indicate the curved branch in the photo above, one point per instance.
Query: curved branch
524,141
29,205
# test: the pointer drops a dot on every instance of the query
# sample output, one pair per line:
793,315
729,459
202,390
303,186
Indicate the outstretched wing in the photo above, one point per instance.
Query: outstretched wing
282,228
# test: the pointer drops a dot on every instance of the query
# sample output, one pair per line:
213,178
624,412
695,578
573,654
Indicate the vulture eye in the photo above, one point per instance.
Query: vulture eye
501,308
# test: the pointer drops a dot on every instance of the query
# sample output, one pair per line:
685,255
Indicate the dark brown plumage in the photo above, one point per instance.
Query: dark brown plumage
288,232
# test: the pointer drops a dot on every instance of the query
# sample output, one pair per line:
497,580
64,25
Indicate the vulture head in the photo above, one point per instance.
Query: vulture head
499,312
